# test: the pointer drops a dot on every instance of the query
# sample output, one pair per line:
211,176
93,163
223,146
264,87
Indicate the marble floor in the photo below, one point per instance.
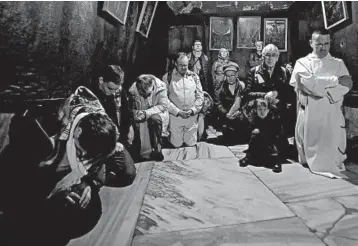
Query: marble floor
203,197
200,196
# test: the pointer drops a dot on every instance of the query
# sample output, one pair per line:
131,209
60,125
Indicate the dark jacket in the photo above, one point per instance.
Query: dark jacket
109,104
277,82
205,69
224,99
255,59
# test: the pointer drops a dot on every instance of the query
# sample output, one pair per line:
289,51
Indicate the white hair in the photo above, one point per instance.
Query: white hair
270,48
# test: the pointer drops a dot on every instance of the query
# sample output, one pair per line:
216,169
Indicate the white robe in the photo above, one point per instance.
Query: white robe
320,133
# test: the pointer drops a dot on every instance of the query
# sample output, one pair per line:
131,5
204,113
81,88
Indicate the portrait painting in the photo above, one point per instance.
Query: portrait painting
275,32
248,31
334,13
146,17
221,33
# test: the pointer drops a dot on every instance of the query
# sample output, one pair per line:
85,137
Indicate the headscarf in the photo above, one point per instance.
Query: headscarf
80,104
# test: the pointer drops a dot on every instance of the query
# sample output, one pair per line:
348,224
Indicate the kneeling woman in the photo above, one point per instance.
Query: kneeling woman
49,192
228,105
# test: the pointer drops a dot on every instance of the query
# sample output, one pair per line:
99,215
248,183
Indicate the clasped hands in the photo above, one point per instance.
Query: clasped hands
140,116
344,80
75,199
233,116
185,114
271,95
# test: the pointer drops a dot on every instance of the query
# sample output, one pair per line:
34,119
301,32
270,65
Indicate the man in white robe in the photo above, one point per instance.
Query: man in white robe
321,81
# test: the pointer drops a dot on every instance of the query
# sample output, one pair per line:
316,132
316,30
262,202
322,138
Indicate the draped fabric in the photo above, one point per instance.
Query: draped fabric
320,128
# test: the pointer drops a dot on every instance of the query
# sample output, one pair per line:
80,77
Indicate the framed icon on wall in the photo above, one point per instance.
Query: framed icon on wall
275,32
146,17
334,13
248,31
221,33
118,10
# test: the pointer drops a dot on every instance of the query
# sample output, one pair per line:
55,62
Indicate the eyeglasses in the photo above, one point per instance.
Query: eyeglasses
268,55
321,45
114,91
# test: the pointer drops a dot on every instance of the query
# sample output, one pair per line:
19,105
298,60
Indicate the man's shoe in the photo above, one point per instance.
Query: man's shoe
277,168
156,156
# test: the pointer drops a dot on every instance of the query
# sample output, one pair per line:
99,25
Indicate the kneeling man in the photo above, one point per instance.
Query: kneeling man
149,102
186,99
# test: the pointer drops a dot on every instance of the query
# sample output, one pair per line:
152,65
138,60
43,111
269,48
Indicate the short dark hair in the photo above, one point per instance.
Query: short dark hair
112,73
145,81
197,40
320,31
99,135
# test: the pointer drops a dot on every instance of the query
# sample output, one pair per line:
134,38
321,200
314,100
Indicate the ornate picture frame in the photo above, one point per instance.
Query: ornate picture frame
275,32
146,17
248,31
221,33
118,10
334,13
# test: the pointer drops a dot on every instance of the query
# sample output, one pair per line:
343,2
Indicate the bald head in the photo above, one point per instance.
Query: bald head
182,63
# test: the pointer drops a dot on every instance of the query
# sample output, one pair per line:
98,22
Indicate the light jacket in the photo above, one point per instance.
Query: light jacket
184,92
157,103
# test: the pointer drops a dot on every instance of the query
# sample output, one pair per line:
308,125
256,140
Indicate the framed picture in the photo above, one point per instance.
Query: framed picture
146,17
117,9
248,31
221,33
222,4
275,32
334,13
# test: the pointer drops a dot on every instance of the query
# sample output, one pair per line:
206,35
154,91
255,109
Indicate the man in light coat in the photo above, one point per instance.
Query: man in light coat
149,102
186,99
321,81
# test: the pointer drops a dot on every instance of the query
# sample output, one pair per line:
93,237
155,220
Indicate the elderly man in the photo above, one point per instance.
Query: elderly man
149,102
270,81
186,99
228,104
199,64
113,98
267,80
321,81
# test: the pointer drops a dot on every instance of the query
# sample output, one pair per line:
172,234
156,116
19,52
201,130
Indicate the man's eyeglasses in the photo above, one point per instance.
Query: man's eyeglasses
268,55
114,91
321,45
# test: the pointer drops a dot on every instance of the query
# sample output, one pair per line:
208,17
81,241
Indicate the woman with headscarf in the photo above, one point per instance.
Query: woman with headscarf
53,192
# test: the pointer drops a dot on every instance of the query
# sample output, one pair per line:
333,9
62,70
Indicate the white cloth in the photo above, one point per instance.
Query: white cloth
320,133
78,168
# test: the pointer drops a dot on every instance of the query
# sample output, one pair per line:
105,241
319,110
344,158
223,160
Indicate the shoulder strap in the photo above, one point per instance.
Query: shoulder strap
169,77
